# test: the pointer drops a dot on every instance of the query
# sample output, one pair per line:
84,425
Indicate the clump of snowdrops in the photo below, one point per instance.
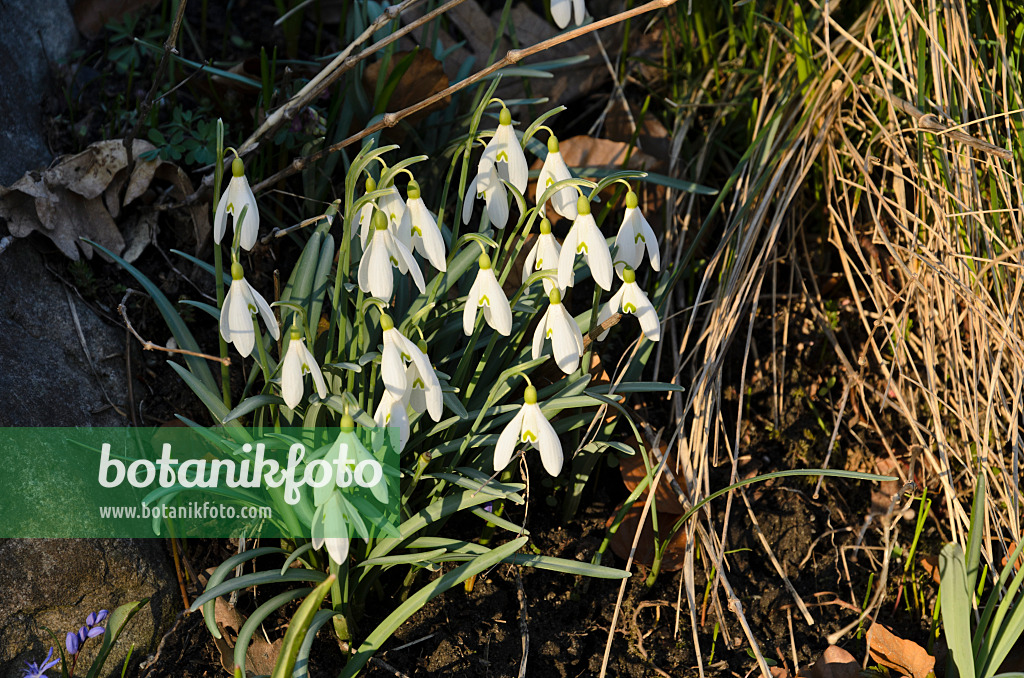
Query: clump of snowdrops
398,318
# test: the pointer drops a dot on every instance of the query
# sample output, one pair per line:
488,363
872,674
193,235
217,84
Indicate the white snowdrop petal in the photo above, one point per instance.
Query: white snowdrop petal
240,320
506,446
561,12
609,310
392,366
291,375
381,277
643,310
268,313
337,548
539,335
564,344
567,258
579,11
547,442
500,313
598,257
405,257
251,224
472,304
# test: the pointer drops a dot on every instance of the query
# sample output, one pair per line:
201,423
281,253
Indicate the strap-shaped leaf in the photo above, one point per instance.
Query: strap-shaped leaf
115,624
296,632
435,588
220,574
956,608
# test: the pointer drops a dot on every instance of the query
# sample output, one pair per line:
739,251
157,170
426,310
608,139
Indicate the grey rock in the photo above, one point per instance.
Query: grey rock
32,34
55,583
46,377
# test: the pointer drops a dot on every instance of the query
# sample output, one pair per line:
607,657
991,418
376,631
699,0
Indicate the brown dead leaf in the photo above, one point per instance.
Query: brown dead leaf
63,216
904,656
92,15
424,78
930,564
622,540
261,655
585,151
835,662
633,472
80,196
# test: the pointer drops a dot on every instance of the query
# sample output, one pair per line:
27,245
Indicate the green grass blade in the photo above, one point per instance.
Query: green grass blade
956,608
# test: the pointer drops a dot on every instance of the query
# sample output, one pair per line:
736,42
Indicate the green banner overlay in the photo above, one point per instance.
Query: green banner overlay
322,483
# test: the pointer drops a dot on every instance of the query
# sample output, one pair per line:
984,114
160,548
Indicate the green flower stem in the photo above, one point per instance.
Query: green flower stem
218,265
264,362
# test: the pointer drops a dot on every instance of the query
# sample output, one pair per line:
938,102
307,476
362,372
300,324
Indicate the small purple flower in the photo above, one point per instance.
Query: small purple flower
36,671
83,634
95,618
489,507
95,631
72,643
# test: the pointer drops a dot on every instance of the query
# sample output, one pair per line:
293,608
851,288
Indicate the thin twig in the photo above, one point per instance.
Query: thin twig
511,57
524,630
342,64
147,103
150,346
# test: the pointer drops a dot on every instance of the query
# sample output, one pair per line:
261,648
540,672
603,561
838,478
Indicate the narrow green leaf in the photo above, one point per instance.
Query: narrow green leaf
221,573
416,601
115,625
956,608
296,632
256,618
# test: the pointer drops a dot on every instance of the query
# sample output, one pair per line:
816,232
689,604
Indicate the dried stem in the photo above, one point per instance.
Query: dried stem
150,346
511,58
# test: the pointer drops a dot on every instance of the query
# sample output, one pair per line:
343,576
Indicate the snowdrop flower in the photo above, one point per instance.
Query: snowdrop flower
241,303
634,235
486,293
391,412
35,670
544,255
366,214
347,451
394,209
566,338
487,185
530,426
561,10
398,351
631,299
505,152
383,252
419,223
585,238
237,196
329,519
298,362
553,171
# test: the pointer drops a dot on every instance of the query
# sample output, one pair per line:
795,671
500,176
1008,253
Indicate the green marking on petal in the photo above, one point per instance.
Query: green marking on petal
540,264
502,155
406,357
252,309
394,262
639,238
418,383
629,308
416,231
528,437
549,183
582,248
484,301
547,335
230,208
